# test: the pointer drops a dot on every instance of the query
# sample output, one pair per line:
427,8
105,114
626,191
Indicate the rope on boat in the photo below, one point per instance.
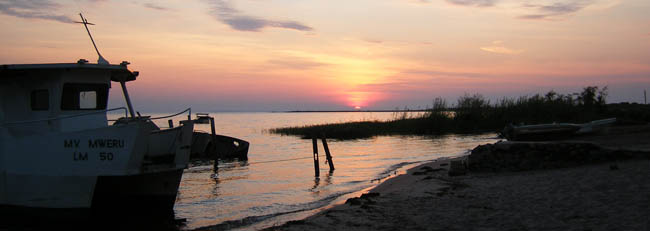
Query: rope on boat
169,116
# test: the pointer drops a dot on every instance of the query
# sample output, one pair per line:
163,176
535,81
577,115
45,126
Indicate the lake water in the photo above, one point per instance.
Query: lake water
277,183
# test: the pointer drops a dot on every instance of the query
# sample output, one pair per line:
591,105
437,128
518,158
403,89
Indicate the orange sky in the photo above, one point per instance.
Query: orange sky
275,55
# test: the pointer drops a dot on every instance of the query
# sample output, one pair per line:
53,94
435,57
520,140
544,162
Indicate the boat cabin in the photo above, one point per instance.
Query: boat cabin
37,98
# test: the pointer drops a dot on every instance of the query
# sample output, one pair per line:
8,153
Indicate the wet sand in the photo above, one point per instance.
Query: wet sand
605,195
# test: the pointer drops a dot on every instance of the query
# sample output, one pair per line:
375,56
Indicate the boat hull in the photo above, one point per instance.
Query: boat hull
207,146
554,131
95,168
150,193
541,134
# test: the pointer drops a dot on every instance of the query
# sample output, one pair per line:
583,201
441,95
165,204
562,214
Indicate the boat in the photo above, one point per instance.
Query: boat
57,149
212,146
202,118
59,152
553,131
596,126
215,146
539,132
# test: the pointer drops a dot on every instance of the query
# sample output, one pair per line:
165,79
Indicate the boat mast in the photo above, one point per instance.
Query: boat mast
101,59
128,100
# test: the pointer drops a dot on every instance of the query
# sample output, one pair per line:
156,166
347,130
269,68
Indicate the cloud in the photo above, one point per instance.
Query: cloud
420,81
419,1
33,9
478,3
555,10
434,73
296,63
537,9
376,41
155,6
225,13
499,48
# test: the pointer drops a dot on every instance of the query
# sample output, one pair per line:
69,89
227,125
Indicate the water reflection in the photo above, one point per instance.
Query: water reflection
318,187
279,179
328,177
316,183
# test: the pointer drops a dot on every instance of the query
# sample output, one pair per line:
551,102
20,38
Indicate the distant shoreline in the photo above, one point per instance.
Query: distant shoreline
318,111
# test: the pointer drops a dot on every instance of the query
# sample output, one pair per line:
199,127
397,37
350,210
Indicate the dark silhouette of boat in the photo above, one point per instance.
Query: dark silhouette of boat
553,131
213,146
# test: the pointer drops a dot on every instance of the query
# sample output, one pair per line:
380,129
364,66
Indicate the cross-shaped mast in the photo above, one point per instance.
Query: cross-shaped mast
101,59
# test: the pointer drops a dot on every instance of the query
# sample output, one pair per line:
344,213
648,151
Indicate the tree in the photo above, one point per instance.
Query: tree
602,96
587,97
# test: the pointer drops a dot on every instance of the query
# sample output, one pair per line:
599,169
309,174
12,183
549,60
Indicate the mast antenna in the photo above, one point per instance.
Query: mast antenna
101,59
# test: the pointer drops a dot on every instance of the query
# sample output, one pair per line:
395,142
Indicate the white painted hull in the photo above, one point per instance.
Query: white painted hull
71,170
39,191
169,147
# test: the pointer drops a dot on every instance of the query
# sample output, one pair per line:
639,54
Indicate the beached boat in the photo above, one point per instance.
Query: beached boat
553,131
58,151
596,126
539,131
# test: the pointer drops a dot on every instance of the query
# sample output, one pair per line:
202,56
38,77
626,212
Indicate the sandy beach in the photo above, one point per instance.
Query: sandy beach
604,194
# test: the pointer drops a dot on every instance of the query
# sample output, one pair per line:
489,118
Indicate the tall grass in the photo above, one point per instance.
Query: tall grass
475,114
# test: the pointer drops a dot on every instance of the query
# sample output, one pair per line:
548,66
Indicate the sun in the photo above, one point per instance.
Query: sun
357,108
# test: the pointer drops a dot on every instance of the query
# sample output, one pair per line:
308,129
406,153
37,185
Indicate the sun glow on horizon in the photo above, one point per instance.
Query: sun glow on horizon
287,59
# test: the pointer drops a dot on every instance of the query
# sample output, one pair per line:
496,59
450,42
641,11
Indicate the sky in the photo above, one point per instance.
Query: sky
279,55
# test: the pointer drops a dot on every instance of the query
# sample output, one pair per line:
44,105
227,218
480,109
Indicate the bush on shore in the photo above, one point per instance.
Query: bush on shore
476,114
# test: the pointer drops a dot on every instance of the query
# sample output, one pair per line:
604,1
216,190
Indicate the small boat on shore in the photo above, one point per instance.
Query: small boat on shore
553,131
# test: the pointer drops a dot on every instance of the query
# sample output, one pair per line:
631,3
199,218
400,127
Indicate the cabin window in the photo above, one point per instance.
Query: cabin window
88,100
84,96
40,100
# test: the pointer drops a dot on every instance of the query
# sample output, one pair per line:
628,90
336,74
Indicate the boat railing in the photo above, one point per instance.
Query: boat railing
65,117
189,115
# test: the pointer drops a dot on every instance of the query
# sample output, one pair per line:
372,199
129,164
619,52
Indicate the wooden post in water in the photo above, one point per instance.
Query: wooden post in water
213,138
171,123
213,135
327,154
316,167
214,132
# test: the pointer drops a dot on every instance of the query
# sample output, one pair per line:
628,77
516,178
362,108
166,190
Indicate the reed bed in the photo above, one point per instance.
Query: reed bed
476,114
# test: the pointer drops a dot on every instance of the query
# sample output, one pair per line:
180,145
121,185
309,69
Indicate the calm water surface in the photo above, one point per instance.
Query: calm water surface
277,183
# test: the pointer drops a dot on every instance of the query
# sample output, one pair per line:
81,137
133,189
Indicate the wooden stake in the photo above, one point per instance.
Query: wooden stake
316,167
213,137
327,154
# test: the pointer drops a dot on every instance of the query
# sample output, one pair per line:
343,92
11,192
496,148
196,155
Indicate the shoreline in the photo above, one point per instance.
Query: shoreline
598,194
341,200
